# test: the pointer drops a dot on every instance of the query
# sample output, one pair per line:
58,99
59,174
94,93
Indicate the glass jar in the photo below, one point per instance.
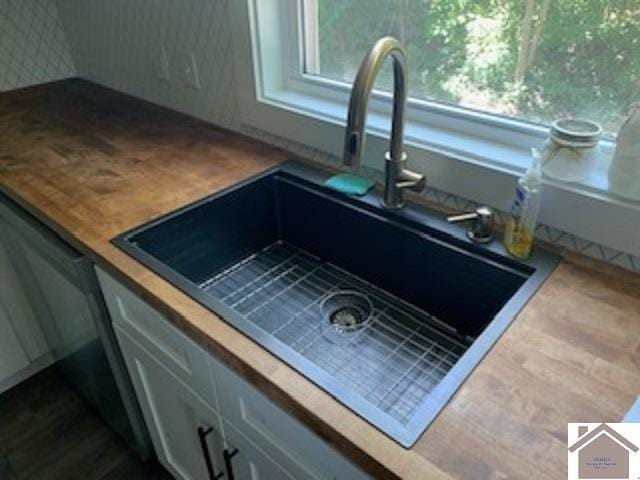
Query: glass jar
572,149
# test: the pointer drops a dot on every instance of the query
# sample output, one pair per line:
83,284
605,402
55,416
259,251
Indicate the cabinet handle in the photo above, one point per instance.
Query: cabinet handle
228,455
202,435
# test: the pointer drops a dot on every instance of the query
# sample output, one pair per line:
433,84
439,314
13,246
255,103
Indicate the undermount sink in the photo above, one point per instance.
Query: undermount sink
388,312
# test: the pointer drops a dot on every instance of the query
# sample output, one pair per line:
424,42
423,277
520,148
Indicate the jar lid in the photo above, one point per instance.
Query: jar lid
573,132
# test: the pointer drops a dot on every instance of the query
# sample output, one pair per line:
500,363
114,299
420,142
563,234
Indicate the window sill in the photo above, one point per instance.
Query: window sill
482,152
466,165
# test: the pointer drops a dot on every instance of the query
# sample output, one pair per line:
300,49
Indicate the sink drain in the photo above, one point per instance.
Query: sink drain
346,318
347,311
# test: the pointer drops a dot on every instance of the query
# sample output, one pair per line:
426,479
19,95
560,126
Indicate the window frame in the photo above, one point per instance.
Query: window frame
295,88
472,154
438,113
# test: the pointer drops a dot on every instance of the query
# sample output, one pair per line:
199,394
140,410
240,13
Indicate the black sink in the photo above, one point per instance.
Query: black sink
387,311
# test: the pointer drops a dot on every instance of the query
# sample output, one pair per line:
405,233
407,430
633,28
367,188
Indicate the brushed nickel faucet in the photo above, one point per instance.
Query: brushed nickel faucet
397,177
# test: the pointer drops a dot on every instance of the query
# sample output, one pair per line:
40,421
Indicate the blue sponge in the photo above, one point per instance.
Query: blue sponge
350,184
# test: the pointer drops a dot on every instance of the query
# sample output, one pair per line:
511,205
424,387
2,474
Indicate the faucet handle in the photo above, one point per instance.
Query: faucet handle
481,229
411,180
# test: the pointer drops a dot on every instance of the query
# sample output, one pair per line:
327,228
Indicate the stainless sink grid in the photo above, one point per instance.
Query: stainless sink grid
394,362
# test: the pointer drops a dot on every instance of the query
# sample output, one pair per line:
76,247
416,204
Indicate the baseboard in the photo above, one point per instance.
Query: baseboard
34,367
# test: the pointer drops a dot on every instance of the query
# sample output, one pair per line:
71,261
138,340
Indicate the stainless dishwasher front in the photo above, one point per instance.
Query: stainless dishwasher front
63,289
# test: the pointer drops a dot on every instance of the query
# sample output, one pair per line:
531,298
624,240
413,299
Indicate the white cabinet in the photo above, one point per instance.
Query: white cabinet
186,432
178,397
250,463
152,331
270,428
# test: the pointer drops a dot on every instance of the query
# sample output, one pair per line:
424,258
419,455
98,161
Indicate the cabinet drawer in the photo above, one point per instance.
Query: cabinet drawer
288,442
172,348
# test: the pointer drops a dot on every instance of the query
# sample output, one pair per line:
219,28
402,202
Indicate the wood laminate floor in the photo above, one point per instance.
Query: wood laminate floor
47,431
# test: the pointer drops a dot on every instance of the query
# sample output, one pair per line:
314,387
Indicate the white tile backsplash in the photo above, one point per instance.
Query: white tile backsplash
33,45
116,43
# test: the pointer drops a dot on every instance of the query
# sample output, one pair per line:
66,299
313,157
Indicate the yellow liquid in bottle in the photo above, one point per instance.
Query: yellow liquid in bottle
518,242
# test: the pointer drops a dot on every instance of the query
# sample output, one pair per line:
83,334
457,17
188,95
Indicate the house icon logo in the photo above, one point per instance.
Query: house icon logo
603,450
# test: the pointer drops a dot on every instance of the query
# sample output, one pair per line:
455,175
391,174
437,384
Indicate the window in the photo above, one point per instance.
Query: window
468,128
536,60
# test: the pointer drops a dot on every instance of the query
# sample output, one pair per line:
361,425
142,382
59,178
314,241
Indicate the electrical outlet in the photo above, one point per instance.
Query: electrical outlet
190,70
161,66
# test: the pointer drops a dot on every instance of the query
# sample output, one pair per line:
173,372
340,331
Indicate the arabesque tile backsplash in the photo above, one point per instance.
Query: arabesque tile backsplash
33,44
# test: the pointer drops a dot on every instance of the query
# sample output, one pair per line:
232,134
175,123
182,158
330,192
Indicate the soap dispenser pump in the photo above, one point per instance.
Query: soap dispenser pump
521,221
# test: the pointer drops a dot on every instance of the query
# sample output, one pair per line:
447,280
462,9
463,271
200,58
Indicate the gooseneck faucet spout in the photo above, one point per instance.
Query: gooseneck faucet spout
397,177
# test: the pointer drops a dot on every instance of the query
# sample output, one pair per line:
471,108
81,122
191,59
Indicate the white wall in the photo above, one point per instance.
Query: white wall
116,42
33,46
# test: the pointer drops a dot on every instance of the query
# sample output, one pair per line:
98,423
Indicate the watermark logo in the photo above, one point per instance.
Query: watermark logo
604,450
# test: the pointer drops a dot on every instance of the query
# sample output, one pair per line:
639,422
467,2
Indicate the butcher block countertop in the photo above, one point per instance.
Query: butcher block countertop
91,163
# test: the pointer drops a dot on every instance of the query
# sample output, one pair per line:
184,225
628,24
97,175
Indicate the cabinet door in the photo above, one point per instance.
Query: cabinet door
286,440
249,462
186,433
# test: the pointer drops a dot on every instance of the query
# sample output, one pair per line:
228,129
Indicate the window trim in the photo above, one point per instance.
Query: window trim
276,97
